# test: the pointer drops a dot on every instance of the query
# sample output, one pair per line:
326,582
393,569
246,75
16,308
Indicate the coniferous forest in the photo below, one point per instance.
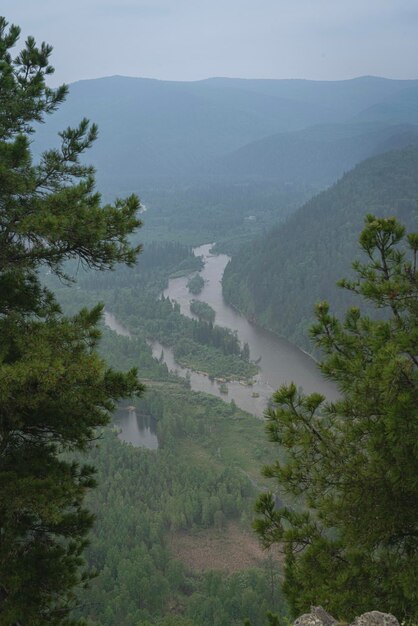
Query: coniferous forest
167,456
279,277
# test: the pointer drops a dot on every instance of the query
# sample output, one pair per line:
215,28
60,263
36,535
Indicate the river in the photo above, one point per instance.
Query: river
281,362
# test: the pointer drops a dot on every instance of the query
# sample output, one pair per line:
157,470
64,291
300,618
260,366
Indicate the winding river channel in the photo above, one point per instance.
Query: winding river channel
280,361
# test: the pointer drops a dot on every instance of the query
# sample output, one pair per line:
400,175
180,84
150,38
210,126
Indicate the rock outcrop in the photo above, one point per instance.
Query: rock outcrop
376,618
319,617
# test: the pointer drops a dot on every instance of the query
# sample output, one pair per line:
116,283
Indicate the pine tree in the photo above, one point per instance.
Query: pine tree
349,466
54,389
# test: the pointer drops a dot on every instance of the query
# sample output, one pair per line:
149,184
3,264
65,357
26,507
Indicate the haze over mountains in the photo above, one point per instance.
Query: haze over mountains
226,159
317,155
231,130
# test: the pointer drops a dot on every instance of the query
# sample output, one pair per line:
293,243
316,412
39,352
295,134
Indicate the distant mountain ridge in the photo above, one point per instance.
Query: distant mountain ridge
342,96
277,279
158,131
399,107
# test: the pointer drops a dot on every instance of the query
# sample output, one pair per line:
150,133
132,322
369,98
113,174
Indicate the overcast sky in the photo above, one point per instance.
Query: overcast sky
195,39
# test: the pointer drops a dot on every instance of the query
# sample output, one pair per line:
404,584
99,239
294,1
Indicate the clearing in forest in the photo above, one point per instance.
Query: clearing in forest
230,549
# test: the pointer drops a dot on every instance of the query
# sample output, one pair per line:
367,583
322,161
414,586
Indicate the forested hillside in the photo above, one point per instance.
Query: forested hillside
317,155
277,280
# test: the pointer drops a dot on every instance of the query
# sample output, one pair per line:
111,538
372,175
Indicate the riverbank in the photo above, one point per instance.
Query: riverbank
281,362
255,322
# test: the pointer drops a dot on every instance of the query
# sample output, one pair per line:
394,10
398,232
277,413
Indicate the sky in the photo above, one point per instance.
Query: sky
197,39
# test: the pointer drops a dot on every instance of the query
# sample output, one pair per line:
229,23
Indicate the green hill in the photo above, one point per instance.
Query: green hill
318,155
276,280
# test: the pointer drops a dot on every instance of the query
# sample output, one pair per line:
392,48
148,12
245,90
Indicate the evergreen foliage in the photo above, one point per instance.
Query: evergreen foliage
202,310
144,499
353,462
55,391
195,284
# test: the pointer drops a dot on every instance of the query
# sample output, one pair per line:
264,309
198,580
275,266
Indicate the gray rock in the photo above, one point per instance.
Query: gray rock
308,619
375,618
317,617
325,617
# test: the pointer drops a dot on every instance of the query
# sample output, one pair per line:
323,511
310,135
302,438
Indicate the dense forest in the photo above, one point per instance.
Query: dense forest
277,279
156,508
195,284
202,310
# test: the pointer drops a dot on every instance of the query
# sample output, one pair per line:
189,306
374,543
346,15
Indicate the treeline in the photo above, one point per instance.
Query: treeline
216,211
124,353
156,263
195,284
278,279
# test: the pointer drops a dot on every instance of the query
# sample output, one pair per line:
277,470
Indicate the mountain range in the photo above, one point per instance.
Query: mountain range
155,133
